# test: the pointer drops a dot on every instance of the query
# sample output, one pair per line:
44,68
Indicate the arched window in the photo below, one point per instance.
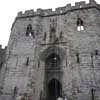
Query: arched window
29,27
53,61
29,31
80,25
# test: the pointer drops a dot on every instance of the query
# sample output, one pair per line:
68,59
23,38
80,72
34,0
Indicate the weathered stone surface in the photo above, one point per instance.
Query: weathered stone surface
54,51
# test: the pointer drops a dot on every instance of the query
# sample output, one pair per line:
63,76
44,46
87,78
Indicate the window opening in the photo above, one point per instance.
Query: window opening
45,35
80,26
38,64
29,31
61,34
92,94
96,52
1,64
77,58
53,61
27,62
15,91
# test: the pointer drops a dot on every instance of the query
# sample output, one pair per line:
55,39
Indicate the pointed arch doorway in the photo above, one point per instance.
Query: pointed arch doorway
54,89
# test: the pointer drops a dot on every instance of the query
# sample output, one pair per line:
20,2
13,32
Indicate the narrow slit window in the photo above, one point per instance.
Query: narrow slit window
45,35
27,61
1,64
77,58
15,91
96,52
38,64
61,34
92,94
80,25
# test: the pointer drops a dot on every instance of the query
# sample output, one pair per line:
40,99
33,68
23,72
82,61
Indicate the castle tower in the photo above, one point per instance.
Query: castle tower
54,54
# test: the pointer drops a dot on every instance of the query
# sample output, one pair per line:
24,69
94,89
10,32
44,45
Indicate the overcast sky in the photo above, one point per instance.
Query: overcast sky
10,8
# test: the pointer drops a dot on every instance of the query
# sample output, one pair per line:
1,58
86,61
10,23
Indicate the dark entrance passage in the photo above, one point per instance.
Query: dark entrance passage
54,89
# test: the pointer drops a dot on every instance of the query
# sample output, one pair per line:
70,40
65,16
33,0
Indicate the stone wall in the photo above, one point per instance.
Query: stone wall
2,69
55,32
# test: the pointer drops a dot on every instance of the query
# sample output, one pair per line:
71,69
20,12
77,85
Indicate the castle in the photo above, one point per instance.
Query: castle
52,54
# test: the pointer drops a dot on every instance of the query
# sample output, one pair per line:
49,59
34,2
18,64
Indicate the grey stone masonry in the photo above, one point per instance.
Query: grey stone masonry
53,54
2,69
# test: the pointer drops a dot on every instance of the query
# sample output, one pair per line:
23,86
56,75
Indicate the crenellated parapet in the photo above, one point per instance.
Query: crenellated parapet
3,49
60,10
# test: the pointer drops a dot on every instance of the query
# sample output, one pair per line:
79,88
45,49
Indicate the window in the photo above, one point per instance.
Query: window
53,60
80,26
15,91
1,64
77,58
29,28
61,34
52,29
93,94
45,35
27,61
96,52
29,31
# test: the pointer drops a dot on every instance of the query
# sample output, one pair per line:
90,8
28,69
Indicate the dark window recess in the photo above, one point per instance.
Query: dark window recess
77,58
29,27
61,35
45,35
30,31
80,24
66,62
53,60
52,29
50,20
15,91
38,64
1,64
96,52
32,34
92,94
27,61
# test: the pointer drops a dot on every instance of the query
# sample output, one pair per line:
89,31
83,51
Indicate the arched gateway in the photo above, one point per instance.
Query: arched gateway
54,89
53,57
52,54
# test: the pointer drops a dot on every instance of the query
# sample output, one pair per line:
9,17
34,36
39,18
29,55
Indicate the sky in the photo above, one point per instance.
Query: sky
10,8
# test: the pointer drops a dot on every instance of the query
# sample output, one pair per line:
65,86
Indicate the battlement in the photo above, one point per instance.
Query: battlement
60,10
3,48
